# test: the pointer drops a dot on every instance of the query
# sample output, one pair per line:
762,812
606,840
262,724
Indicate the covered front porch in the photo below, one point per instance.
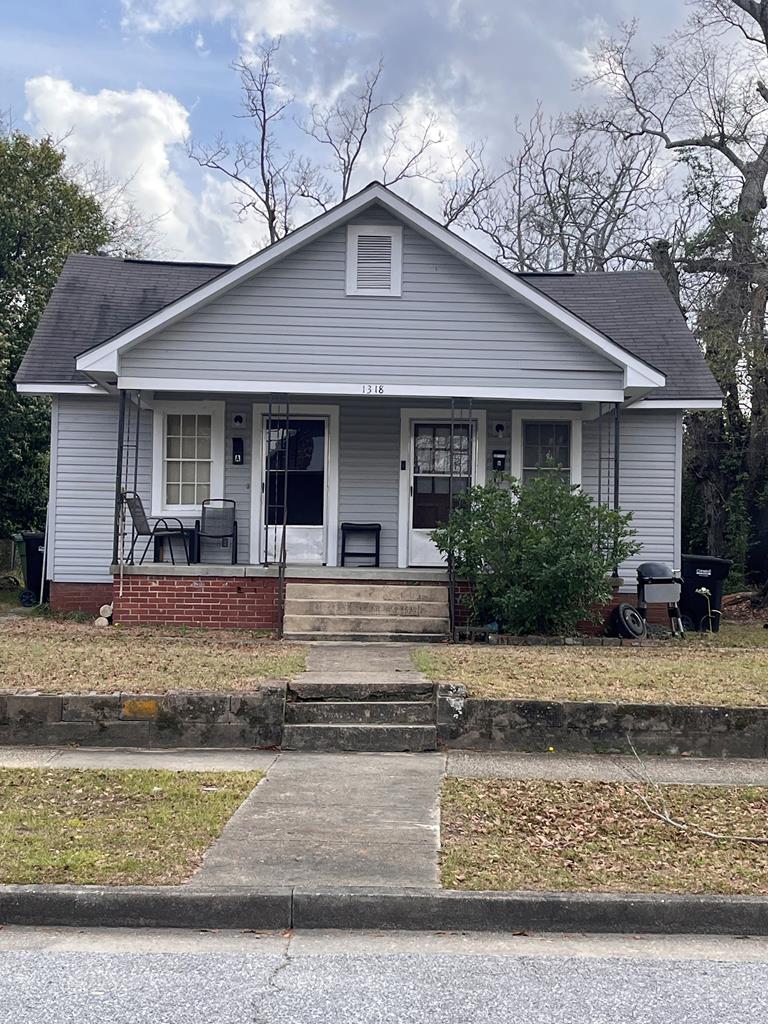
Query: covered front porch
339,482
334,497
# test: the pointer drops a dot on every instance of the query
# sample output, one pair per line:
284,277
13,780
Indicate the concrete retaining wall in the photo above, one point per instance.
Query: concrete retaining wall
583,727
252,719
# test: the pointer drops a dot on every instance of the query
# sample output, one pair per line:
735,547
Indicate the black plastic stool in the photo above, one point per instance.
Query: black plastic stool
348,529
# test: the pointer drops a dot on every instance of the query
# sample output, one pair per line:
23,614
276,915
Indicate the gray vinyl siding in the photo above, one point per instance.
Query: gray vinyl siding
649,480
84,488
295,323
369,471
84,432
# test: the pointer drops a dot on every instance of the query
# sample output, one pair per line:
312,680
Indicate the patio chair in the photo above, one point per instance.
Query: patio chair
218,523
161,530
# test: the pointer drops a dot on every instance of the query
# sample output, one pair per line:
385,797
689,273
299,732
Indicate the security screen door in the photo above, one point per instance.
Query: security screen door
295,487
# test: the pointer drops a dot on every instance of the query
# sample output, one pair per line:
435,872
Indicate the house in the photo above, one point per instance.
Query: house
367,342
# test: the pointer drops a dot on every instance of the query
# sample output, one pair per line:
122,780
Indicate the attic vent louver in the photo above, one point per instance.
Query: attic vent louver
373,260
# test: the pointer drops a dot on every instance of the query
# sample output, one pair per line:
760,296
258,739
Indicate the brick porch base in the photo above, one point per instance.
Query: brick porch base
79,597
223,602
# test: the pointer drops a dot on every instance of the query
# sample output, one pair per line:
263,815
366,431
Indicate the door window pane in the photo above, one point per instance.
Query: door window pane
547,449
435,459
296,467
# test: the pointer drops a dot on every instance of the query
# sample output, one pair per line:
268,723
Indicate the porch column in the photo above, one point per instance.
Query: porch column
119,476
616,449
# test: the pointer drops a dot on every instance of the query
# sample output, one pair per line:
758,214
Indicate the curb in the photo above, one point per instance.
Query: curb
239,907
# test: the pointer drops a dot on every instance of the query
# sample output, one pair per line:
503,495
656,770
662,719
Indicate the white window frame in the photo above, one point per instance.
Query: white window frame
539,415
393,231
159,413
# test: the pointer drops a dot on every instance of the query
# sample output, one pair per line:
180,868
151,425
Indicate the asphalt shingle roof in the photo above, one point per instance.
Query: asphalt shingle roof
97,297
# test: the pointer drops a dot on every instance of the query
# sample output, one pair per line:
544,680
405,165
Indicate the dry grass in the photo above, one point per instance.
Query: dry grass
112,827
596,836
731,668
52,656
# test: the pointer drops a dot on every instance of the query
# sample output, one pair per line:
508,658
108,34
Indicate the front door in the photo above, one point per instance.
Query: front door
295,489
435,483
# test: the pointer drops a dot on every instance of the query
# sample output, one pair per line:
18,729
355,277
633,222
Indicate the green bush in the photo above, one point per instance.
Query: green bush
538,557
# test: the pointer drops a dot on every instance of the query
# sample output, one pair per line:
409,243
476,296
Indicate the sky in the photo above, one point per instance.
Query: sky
126,82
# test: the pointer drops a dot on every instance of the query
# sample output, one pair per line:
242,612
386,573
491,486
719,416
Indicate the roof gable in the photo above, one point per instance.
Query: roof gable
102,361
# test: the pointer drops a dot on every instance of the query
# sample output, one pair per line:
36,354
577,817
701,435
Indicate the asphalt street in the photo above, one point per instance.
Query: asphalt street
111,977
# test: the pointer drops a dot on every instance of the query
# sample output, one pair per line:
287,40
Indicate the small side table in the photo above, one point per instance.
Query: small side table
353,529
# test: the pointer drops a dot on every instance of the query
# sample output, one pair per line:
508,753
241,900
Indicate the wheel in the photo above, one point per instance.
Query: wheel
28,598
628,622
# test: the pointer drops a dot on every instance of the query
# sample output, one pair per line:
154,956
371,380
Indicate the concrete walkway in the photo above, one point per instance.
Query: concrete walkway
330,662
334,819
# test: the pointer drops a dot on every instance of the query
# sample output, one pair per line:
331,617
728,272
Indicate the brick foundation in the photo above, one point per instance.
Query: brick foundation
215,602
79,597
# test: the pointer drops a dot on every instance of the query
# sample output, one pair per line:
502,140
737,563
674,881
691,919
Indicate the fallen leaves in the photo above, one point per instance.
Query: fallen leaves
598,836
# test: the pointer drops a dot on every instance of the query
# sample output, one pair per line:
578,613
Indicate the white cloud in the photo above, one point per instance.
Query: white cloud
138,136
254,18
200,45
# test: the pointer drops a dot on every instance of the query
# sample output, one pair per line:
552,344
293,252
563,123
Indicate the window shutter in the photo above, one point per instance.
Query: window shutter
374,262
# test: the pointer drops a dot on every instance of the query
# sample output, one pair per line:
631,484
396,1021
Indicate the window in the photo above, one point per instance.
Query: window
546,449
374,259
432,471
188,463
187,459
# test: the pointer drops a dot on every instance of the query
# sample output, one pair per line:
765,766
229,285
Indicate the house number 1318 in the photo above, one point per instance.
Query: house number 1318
373,389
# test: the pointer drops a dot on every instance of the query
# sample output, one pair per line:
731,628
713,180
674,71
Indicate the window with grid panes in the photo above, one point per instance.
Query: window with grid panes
187,458
546,449
433,488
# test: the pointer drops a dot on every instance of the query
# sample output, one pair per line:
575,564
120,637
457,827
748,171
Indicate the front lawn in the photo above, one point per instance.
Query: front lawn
53,656
730,668
112,827
598,836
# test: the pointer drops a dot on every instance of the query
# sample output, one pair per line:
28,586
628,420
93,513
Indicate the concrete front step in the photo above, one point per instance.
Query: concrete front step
367,609
356,624
372,638
366,592
383,738
386,712
368,690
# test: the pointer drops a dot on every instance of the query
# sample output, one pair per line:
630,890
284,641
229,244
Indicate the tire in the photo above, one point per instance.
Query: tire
628,622
28,598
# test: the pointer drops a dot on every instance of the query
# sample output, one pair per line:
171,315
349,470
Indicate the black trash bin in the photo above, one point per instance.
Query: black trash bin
703,572
31,547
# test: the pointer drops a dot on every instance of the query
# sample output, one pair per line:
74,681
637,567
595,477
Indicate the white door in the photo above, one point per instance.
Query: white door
432,483
294,489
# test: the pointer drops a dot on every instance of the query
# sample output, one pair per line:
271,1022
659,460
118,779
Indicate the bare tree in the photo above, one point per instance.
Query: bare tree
703,95
132,233
347,124
570,200
264,177
467,186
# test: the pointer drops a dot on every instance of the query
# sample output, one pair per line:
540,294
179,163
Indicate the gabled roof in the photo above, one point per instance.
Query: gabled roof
95,298
98,298
103,359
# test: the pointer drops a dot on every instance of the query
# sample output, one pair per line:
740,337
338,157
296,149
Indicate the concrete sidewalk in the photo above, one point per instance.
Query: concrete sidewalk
335,819
683,771
467,764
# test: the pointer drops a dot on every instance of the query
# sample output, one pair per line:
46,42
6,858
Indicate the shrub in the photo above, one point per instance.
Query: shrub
538,557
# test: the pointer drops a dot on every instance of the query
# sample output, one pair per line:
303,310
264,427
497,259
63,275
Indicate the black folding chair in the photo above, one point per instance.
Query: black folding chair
218,523
155,533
